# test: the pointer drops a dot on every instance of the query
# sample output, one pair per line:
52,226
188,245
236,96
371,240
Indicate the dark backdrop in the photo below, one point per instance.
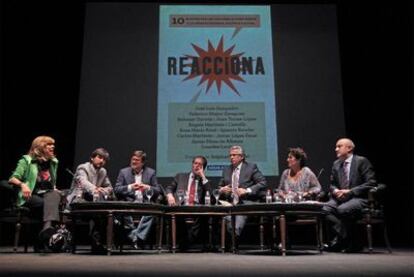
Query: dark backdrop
41,51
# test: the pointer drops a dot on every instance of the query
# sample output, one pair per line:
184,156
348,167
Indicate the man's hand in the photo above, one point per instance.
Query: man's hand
135,186
200,172
101,189
171,199
144,186
226,189
342,194
241,192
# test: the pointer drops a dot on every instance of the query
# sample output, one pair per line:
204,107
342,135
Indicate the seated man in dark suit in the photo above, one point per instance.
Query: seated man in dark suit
194,185
352,177
136,179
242,182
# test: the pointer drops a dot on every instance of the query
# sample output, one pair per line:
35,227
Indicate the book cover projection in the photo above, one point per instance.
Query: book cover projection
215,88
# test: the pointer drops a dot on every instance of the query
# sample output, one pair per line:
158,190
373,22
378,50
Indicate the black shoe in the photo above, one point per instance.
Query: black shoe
98,249
207,248
38,247
335,246
353,248
137,243
183,247
237,244
44,238
96,245
227,247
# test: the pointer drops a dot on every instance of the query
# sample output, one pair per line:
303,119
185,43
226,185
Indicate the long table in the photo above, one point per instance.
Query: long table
109,209
207,210
310,209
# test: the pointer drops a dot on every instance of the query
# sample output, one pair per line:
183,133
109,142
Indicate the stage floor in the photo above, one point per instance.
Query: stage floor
246,263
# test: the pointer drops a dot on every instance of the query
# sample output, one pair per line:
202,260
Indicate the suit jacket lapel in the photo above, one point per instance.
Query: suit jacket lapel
340,174
200,188
184,183
145,177
242,180
130,178
352,170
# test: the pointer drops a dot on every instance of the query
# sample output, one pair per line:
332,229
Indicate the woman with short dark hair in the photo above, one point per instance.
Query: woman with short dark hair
298,177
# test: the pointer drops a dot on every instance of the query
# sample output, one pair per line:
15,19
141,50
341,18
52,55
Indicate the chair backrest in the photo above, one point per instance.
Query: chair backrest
376,199
8,195
322,196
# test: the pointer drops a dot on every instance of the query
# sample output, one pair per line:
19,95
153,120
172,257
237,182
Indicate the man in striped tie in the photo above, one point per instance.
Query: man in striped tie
351,179
242,182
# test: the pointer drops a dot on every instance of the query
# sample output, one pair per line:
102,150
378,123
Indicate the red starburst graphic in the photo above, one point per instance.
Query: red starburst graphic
219,62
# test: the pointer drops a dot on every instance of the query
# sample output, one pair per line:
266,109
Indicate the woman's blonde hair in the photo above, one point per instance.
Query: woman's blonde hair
37,150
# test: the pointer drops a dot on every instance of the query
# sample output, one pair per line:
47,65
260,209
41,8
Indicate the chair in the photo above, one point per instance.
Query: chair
262,223
11,213
374,215
122,233
266,225
303,220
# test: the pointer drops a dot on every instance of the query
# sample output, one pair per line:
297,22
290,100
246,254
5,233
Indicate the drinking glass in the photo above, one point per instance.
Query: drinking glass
299,197
216,194
149,192
276,196
290,196
180,195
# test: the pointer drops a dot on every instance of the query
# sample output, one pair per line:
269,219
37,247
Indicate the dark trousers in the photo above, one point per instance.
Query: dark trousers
97,231
190,233
342,216
45,206
240,220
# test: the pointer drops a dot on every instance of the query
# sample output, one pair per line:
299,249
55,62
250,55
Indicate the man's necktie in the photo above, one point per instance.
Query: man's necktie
235,185
191,193
344,179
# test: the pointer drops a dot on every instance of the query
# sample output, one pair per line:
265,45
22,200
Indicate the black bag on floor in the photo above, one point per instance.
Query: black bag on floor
57,239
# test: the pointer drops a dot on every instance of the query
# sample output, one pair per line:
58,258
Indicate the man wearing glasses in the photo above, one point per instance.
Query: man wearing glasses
194,185
241,183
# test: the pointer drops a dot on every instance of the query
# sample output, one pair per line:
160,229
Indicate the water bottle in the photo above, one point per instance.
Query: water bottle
207,198
196,198
79,191
290,196
138,196
95,195
268,197
186,197
277,196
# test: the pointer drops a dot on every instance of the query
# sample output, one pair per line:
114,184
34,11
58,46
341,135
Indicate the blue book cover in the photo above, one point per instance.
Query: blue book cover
216,87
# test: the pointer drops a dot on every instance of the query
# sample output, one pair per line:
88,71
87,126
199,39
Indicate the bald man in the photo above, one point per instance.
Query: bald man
351,178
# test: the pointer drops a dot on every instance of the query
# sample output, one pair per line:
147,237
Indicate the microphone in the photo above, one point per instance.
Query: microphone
323,193
320,172
70,172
